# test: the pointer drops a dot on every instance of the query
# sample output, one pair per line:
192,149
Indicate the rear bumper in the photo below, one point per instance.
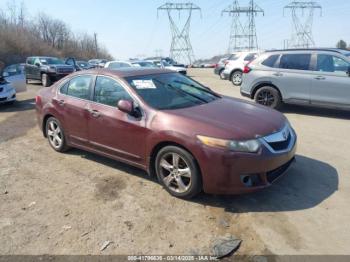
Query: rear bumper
239,173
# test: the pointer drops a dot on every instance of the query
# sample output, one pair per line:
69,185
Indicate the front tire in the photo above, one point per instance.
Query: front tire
178,172
45,80
55,135
236,78
268,96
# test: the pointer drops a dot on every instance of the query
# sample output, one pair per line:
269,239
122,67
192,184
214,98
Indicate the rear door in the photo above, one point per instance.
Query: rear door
112,131
73,102
293,77
331,81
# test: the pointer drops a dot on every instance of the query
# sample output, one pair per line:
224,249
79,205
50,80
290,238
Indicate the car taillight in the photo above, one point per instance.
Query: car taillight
246,69
38,100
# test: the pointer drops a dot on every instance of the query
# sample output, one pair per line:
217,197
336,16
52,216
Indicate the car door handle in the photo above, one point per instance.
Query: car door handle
320,78
60,102
277,74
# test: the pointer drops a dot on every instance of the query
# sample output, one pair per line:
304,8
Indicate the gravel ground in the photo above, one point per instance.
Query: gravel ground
72,203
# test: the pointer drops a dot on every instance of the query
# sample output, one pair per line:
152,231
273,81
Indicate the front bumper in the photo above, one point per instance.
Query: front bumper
225,172
9,96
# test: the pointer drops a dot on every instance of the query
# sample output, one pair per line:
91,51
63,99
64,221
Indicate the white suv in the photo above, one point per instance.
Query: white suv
319,77
235,66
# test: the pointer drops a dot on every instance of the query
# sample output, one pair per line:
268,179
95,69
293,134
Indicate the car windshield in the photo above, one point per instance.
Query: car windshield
171,91
165,63
51,61
83,64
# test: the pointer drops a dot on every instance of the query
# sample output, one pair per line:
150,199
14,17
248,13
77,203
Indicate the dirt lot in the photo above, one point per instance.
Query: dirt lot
71,203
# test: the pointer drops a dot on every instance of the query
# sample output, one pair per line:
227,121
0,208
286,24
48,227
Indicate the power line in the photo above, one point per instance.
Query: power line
181,48
303,17
243,36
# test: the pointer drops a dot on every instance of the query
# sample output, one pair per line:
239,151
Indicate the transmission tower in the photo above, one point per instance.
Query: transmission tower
243,36
181,49
303,17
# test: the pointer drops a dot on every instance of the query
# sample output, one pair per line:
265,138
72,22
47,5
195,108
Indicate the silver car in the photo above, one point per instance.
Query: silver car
319,77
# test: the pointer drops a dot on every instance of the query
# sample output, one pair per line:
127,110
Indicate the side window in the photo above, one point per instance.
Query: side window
296,61
64,88
80,87
270,61
109,91
332,64
250,57
30,61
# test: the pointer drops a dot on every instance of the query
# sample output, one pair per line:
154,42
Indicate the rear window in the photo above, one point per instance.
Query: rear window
270,61
250,57
296,61
233,57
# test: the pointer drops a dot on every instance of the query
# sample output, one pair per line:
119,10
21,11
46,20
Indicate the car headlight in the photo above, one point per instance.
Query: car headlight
52,69
249,146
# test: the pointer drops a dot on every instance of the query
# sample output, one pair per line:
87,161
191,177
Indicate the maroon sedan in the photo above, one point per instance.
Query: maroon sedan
190,137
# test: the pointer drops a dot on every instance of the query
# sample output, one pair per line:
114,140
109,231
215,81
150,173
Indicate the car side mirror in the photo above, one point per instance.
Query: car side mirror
37,65
126,106
5,74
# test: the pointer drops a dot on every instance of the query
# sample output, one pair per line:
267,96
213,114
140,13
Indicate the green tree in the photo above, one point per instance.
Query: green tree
342,44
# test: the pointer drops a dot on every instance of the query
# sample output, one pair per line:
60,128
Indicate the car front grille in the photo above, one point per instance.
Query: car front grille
64,70
3,99
275,174
282,145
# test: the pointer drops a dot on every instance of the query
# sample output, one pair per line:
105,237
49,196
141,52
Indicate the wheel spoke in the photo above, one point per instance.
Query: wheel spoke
186,172
52,126
164,164
176,159
50,133
168,180
181,186
58,140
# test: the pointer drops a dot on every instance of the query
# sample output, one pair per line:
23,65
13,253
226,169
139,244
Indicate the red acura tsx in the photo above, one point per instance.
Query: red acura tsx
190,137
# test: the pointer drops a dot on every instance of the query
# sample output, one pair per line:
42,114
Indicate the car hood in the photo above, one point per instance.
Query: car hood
229,118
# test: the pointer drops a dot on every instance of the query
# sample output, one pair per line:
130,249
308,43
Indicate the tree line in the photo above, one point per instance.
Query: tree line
22,36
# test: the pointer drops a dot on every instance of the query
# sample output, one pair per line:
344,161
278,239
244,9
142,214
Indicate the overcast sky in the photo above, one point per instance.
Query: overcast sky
129,28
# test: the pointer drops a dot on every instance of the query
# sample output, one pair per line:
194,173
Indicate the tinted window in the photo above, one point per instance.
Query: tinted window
271,61
170,91
295,61
233,57
80,87
250,57
30,61
109,91
329,63
64,88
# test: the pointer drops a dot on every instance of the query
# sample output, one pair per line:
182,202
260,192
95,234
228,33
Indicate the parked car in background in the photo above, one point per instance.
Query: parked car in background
235,65
113,65
78,65
46,69
319,77
143,64
7,92
165,65
15,75
98,63
171,126
220,67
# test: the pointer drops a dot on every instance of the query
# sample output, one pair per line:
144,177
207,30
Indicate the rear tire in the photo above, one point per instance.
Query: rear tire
268,96
55,135
178,172
236,78
45,80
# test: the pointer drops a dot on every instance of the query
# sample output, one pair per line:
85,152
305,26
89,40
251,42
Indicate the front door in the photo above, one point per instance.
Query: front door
293,77
73,101
114,132
331,81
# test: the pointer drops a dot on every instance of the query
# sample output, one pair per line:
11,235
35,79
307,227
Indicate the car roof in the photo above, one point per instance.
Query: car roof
336,50
126,72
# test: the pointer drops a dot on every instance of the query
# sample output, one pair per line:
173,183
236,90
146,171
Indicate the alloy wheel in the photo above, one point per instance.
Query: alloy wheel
237,79
175,173
266,98
54,134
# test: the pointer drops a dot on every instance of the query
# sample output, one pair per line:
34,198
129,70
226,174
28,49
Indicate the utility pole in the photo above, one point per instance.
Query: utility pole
303,17
181,49
96,45
243,37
